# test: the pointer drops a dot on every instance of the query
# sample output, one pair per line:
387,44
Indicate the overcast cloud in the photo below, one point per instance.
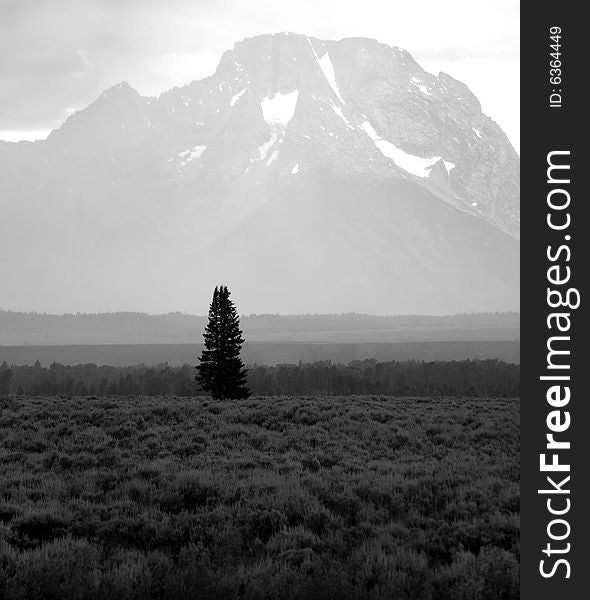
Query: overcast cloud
57,56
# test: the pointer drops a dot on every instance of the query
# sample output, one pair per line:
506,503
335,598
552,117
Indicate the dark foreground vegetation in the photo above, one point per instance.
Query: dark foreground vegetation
482,378
354,497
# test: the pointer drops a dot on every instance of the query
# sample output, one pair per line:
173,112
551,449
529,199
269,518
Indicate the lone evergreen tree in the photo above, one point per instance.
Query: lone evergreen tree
221,371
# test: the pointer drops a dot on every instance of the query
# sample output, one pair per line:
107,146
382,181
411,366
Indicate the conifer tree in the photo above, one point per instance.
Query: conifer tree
221,371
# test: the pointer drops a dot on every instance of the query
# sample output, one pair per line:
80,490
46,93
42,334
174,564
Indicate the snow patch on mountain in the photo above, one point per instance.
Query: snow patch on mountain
280,108
325,64
277,111
236,97
416,165
420,85
264,148
339,112
448,165
189,155
273,157
328,71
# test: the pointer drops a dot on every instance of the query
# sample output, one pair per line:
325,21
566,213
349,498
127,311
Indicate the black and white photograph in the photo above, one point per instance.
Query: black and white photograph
260,295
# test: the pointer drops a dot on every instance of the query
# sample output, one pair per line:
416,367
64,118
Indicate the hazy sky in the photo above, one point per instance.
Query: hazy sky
57,56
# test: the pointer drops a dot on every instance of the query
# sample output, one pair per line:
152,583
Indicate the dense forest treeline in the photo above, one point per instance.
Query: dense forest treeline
479,378
260,353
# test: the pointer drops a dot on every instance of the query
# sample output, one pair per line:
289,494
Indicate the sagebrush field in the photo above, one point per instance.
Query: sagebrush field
353,497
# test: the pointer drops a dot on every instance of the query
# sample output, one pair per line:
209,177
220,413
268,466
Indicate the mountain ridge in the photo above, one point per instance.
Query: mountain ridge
131,189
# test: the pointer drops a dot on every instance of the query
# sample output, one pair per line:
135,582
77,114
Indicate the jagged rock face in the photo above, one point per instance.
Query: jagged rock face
132,193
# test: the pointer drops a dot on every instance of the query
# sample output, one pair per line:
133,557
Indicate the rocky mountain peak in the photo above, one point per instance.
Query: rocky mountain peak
361,105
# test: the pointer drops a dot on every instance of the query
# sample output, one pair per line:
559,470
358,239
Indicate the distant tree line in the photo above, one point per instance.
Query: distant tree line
18,327
481,378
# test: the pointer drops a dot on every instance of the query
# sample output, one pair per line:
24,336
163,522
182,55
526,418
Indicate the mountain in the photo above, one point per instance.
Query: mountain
307,175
